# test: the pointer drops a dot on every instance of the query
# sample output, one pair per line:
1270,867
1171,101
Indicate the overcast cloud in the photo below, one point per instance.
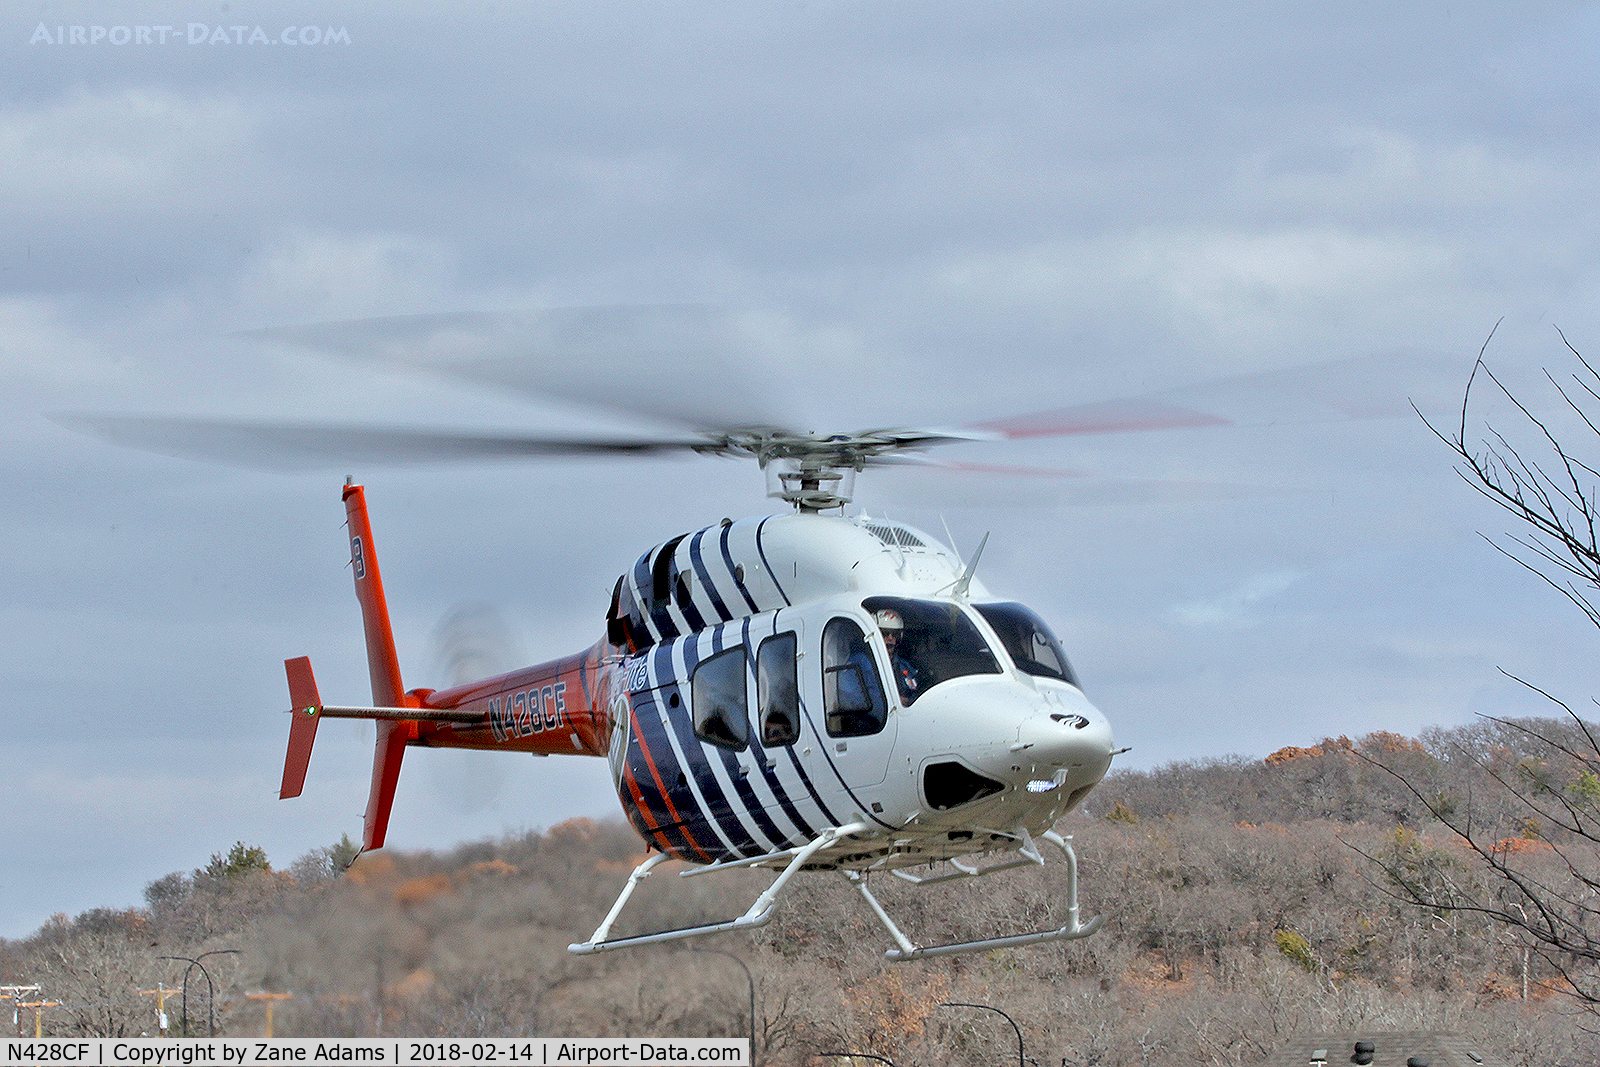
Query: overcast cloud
925,212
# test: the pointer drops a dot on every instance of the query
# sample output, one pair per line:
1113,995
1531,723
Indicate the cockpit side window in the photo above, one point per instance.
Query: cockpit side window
1033,648
928,642
717,687
852,693
778,691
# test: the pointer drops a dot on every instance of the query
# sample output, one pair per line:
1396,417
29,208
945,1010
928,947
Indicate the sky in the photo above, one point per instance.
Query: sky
919,213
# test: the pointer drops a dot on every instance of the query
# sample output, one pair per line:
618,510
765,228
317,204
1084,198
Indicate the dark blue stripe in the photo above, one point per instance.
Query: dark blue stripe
683,799
799,768
705,578
866,809
717,806
733,570
661,666
730,760
691,614
811,789
642,588
660,617
762,550
760,754
645,710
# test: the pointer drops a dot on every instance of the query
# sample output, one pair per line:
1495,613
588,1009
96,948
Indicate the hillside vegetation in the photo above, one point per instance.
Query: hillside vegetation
1245,900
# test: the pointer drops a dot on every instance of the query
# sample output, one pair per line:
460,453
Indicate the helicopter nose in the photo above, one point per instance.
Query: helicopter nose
1044,742
1066,741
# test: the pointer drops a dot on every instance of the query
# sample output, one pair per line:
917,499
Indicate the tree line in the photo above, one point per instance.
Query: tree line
1245,900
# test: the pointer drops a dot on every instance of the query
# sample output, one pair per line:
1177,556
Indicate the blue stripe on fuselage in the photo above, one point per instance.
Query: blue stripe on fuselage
761,549
705,578
717,806
641,754
759,752
733,570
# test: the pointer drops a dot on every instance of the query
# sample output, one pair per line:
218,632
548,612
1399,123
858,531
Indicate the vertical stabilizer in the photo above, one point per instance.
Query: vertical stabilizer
304,705
383,666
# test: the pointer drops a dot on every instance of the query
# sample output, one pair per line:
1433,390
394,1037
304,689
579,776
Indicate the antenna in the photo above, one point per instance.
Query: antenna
949,538
966,576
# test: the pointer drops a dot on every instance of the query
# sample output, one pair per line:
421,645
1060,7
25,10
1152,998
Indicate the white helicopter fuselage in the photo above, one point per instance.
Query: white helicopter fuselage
756,701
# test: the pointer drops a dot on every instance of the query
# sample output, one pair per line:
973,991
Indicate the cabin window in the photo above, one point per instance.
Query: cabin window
718,700
1033,648
852,693
778,691
928,642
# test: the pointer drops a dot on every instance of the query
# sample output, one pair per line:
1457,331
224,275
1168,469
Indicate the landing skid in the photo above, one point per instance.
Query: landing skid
759,914
765,906
908,950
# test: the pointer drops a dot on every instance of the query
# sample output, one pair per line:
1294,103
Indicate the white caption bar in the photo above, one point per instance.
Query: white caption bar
392,1052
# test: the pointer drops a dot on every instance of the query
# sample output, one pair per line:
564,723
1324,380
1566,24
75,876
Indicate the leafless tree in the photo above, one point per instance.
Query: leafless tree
1545,880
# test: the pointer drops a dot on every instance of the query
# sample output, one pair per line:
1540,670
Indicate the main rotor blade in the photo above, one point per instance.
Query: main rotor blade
1366,387
290,446
1110,416
685,364
933,482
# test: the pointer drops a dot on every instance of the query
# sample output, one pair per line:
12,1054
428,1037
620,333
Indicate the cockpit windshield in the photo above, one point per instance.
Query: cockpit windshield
1033,648
928,643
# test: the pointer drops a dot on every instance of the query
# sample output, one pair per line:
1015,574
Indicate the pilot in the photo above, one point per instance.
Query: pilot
907,679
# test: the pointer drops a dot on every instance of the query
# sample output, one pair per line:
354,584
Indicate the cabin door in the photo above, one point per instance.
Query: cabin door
856,725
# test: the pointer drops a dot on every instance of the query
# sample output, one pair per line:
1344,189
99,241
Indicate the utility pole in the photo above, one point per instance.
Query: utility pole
15,993
160,992
377,1024
270,998
38,1007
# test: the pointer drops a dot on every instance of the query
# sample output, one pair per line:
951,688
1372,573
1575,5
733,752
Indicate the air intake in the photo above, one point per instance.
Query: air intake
951,784
893,535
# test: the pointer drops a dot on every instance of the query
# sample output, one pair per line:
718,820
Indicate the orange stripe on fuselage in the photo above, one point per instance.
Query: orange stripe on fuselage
632,783
655,773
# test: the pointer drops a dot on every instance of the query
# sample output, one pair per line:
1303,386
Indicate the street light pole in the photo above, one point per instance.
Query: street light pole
1021,1060
211,990
752,983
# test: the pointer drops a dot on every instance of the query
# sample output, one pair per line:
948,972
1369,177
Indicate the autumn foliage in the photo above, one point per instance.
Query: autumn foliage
1245,900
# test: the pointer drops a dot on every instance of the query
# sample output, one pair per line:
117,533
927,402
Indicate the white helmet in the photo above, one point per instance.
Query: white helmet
889,619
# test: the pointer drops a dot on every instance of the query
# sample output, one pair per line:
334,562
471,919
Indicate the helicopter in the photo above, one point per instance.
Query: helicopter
797,692
806,691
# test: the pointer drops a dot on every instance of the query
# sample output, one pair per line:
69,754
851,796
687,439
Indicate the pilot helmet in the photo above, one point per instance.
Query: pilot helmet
889,619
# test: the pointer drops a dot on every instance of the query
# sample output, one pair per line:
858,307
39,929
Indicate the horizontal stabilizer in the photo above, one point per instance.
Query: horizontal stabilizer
471,718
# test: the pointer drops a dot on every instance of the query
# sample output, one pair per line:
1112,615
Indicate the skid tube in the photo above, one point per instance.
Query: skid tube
906,949
759,913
